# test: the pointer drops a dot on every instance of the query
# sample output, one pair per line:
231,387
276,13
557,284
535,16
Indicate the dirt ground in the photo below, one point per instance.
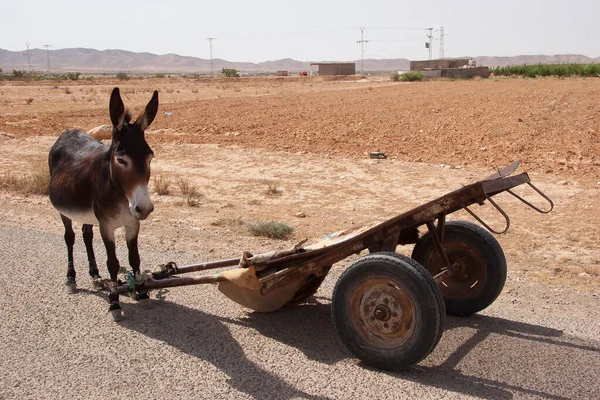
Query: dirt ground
311,138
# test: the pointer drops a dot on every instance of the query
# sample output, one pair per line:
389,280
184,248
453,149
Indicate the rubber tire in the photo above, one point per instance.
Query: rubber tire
487,247
423,291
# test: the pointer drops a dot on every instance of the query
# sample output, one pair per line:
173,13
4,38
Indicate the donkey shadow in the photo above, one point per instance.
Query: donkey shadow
207,337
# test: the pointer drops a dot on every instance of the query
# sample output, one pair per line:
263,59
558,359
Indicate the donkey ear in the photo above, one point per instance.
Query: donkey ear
117,109
147,117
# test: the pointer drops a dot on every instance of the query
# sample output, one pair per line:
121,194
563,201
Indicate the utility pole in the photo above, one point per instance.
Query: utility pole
362,42
442,34
47,47
429,43
210,44
28,54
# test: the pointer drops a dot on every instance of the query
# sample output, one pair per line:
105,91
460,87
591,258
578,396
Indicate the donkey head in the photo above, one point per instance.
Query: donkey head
131,155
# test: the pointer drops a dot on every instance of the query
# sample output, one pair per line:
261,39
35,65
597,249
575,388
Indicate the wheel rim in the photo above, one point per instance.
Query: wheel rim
383,313
467,274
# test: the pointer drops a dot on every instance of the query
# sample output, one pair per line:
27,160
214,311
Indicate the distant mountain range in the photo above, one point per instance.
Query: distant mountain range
90,60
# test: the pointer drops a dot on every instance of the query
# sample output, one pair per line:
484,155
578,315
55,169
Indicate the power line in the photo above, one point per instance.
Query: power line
362,42
442,35
395,29
28,54
429,44
299,33
210,44
47,47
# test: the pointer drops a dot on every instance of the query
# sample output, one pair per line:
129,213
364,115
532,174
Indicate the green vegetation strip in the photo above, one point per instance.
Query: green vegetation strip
532,71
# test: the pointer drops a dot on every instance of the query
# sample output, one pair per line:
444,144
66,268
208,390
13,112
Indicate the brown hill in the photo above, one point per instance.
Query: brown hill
90,60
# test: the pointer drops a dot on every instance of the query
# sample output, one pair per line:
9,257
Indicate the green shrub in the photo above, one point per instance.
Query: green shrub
230,72
395,76
73,76
123,76
411,76
270,229
159,75
19,74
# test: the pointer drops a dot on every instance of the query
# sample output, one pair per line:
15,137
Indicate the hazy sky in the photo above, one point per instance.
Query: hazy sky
306,30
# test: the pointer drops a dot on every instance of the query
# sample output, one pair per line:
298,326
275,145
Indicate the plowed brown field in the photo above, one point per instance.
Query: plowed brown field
552,124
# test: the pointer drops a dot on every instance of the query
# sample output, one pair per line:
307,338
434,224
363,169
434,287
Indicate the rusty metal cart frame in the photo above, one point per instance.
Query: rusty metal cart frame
387,308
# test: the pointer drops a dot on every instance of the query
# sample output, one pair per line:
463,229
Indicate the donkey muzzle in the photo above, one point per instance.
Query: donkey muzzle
140,204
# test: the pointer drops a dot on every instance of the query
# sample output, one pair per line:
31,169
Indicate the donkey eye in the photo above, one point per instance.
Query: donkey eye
122,162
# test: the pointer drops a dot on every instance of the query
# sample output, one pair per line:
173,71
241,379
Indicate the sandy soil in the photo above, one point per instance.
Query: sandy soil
309,138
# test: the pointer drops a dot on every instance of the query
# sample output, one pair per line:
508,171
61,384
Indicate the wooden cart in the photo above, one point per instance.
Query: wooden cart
388,308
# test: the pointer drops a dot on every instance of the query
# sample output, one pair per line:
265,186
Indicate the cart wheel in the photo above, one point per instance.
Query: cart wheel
388,311
480,264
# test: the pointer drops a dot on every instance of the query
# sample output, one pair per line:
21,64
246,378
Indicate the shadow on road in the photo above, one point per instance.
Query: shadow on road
208,338
479,356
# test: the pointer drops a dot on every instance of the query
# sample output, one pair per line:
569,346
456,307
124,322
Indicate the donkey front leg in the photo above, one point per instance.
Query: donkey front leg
69,240
88,239
112,263
131,234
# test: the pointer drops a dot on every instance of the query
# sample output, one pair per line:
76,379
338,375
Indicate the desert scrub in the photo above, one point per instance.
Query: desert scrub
230,72
192,198
270,229
162,185
189,192
411,76
34,181
272,189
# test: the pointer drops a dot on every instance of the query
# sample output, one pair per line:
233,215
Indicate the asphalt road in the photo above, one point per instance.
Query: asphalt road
536,341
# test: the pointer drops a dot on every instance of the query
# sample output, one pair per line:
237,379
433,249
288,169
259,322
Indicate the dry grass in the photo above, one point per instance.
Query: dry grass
162,185
270,229
272,189
34,181
192,198
191,195
229,222
184,185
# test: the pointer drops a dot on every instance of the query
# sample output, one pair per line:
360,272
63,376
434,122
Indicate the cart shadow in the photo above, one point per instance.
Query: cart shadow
468,343
207,337
491,357
479,356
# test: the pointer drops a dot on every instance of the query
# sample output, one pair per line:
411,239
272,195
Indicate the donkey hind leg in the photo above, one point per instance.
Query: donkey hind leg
131,235
112,263
88,239
71,285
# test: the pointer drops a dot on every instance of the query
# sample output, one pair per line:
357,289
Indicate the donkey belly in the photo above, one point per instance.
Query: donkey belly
81,216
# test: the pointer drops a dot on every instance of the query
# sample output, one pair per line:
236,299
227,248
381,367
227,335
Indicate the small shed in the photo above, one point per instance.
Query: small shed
331,68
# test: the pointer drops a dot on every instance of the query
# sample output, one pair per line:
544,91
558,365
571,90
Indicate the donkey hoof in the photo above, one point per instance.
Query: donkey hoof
98,284
145,303
71,287
116,315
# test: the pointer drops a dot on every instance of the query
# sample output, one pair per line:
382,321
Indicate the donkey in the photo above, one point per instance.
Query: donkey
97,184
